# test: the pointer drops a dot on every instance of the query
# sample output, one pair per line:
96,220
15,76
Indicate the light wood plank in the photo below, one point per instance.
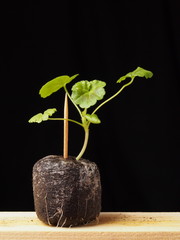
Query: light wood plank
112,226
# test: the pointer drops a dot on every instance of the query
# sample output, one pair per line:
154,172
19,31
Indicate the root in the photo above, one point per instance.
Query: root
47,214
86,208
64,222
60,211
97,220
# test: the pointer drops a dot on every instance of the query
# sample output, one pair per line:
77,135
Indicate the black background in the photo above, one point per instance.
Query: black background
137,144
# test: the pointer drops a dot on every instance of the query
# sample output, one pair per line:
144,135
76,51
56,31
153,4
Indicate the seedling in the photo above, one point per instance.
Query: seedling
85,94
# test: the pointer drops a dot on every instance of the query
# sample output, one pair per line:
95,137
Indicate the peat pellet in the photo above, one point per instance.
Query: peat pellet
67,192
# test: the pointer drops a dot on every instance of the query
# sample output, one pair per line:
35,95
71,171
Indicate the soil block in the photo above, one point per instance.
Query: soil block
66,192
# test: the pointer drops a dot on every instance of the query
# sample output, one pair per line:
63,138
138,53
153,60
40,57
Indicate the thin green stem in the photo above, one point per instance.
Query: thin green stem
85,143
72,101
70,120
125,85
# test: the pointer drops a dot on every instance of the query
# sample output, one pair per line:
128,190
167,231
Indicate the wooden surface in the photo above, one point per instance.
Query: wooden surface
111,226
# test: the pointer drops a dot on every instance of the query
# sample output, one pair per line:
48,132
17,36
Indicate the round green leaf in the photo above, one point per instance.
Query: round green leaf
86,93
55,84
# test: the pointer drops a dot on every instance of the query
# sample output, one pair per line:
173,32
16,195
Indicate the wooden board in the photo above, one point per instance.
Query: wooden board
111,226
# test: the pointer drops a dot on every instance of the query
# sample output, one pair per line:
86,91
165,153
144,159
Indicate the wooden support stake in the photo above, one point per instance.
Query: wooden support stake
65,152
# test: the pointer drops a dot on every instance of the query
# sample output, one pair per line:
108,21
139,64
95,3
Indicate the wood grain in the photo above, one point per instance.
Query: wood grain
111,226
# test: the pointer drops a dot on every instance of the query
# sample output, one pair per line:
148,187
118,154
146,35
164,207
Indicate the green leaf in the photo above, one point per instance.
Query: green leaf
49,112
86,93
138,72
55,84
93,118
38,118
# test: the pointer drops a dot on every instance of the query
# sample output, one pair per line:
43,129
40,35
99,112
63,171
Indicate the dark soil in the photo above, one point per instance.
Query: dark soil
67,192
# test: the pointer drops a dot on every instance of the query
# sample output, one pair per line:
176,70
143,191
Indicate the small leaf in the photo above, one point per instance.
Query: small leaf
55,84
138,72
86,93
93,118
38,118
49,112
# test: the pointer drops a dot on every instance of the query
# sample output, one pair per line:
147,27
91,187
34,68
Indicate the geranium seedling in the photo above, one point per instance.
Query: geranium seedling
84,95
67,190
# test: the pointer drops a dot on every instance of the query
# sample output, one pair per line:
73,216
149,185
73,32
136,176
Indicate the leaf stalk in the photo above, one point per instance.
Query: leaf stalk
70,120
65,88
117,93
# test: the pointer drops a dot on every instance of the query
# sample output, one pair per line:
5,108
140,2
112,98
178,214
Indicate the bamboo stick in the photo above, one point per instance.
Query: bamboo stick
65,151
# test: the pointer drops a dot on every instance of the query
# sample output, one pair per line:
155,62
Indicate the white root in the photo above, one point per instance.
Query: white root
47,214
64,222
97,220
86,208
60,212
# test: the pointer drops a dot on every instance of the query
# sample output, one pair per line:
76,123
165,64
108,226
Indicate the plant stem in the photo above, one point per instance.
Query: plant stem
125,85
86,129
72,101
66,123
70,120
